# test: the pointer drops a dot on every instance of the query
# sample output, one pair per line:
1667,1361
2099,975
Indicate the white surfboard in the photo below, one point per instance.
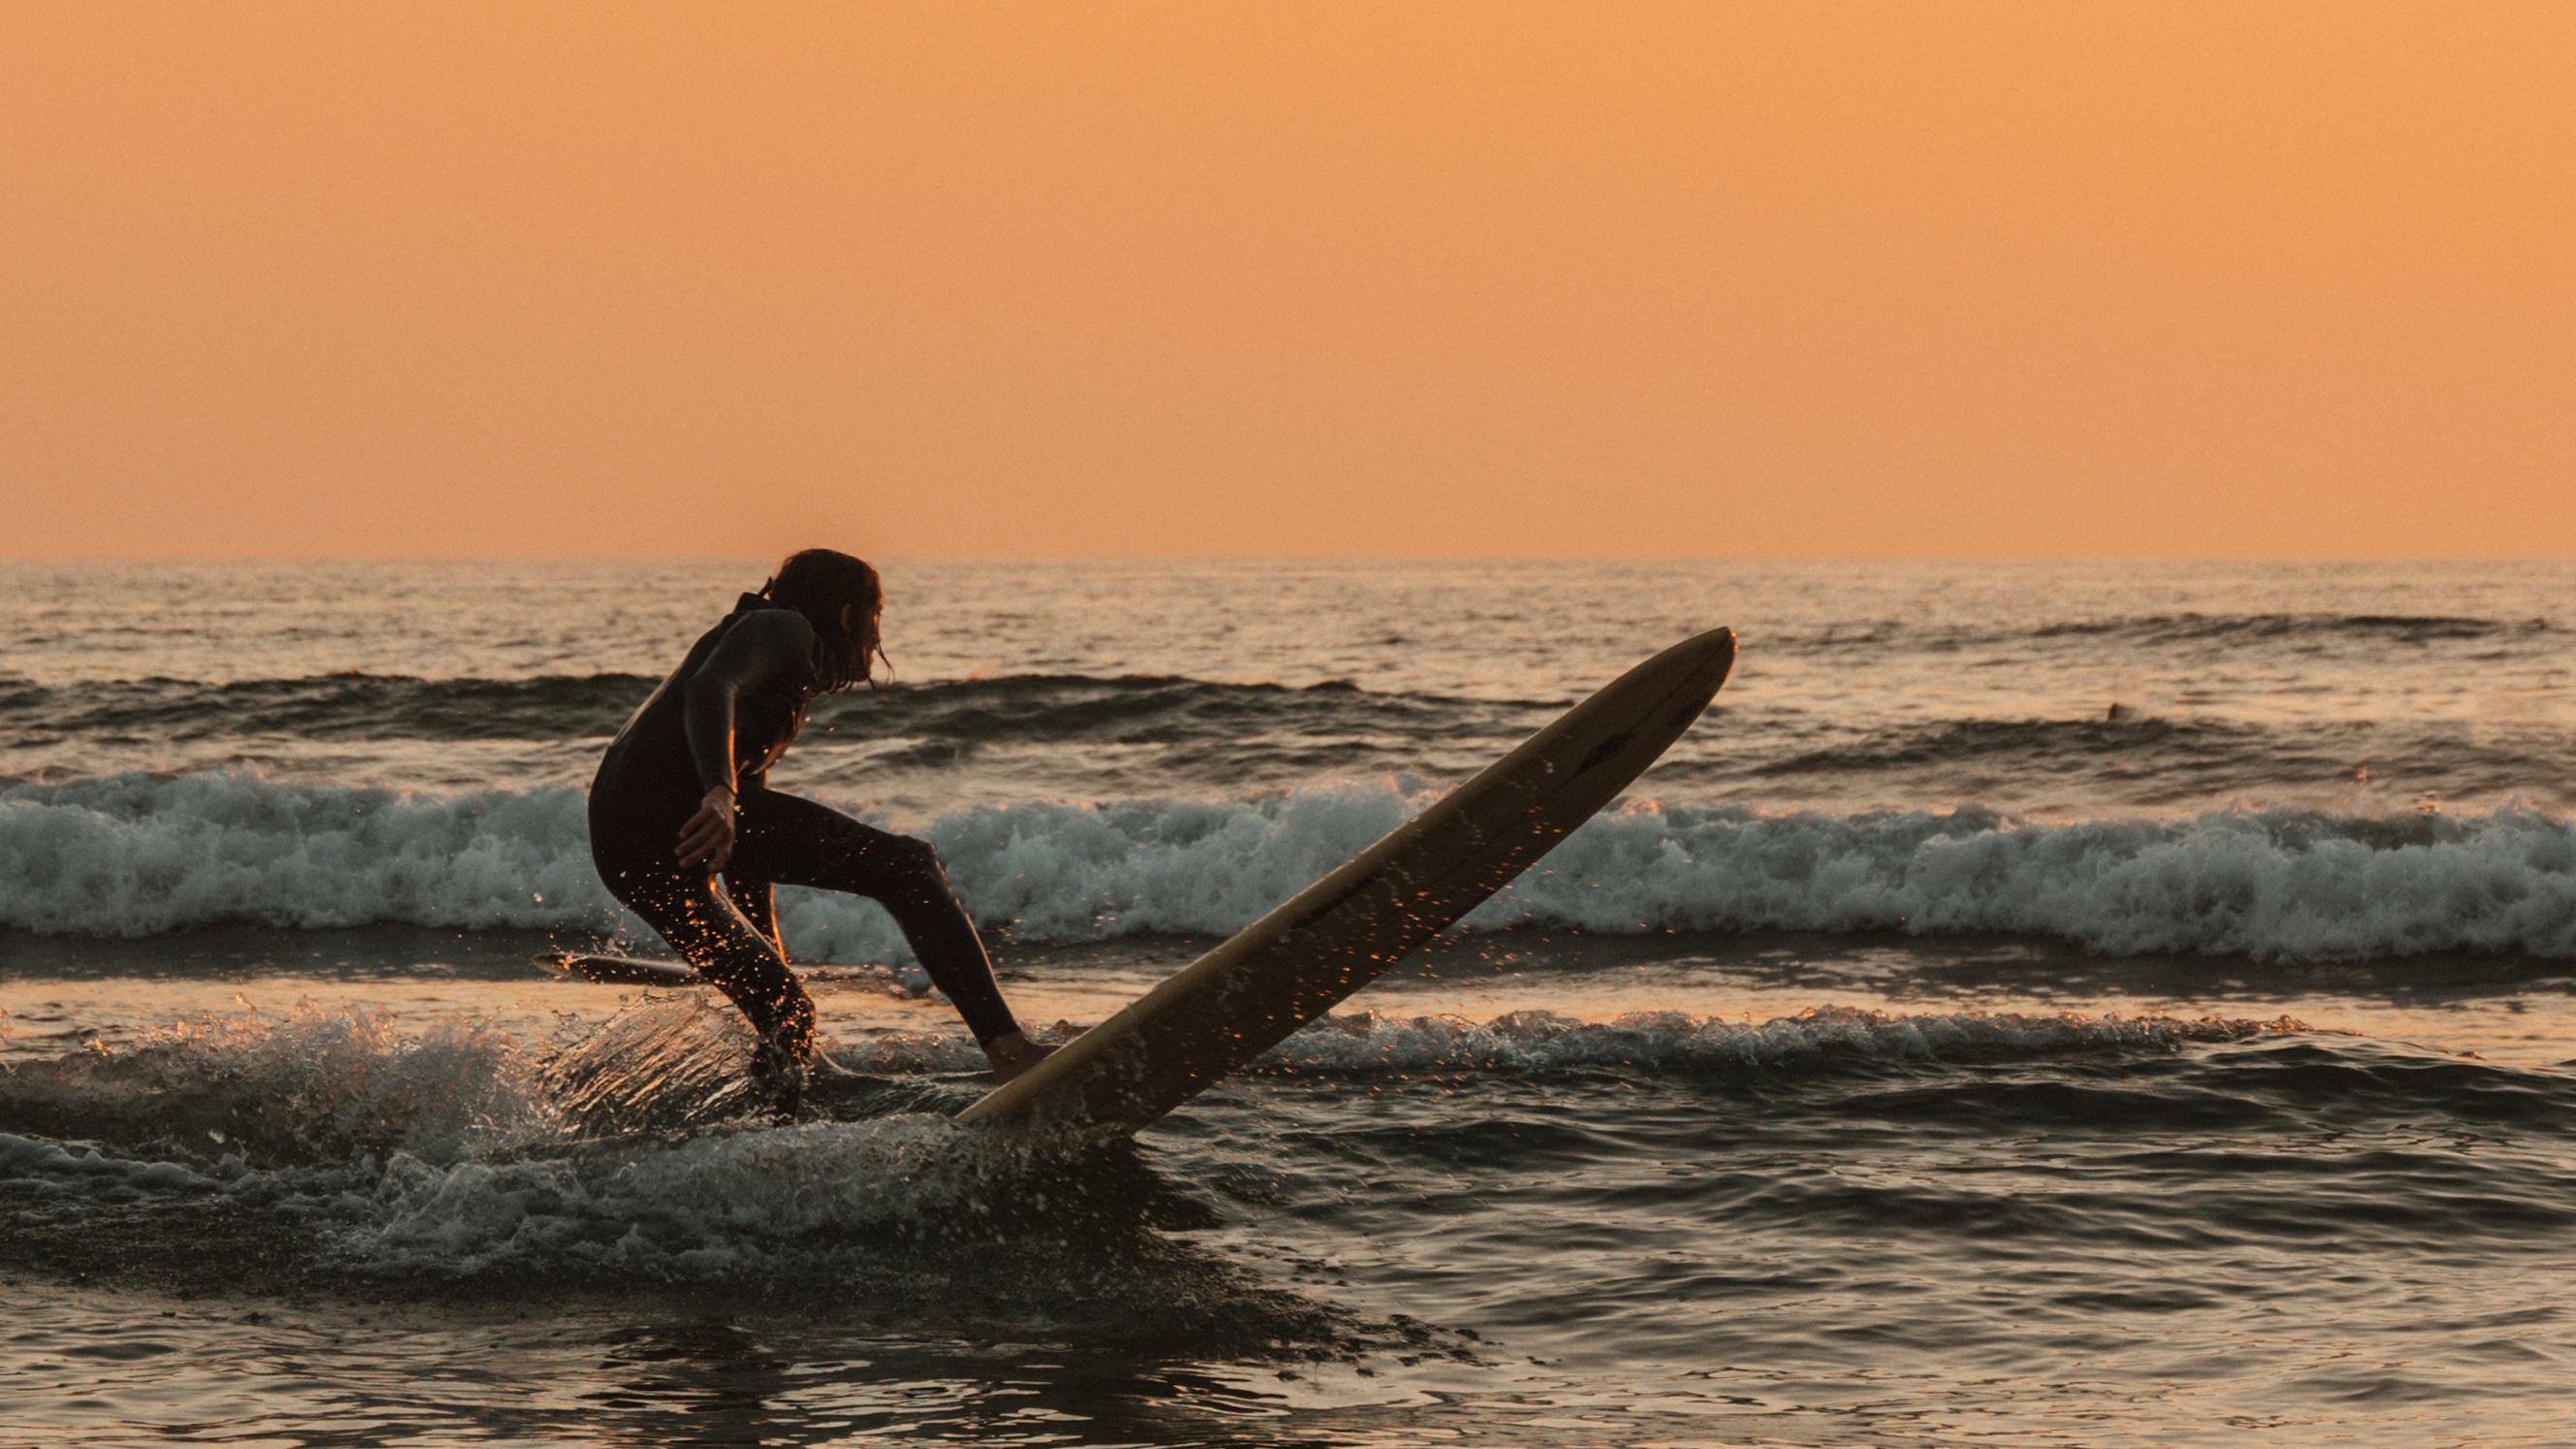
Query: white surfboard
1337,935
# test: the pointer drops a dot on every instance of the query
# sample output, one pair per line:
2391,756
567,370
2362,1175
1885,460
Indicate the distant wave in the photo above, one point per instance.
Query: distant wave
136,855
1125,709
1949,742
2181,628
1149,709
2151,760
2396,628
333,706
1120,737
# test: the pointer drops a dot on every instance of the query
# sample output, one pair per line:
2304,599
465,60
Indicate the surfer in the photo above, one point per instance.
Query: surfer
683,794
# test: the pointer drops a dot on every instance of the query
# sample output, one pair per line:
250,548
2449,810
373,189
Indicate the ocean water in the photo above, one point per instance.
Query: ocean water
2077,1004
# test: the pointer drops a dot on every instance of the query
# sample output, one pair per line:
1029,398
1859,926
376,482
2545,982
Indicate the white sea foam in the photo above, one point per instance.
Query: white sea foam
1673,1040
710,1206
751,1202
135,855
310,1084
132,855
1646,1041
30,1168
445,1193
2278,884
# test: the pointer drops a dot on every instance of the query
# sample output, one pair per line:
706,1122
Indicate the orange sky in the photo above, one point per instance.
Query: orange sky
1288,279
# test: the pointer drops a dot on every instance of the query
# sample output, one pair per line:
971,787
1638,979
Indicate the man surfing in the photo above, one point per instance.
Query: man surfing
683,794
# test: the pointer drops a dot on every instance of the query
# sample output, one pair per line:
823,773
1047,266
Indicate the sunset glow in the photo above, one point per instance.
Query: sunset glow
1439,280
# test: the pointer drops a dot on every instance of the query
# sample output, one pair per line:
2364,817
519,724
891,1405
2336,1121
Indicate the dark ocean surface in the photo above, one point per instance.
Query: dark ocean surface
2041,1004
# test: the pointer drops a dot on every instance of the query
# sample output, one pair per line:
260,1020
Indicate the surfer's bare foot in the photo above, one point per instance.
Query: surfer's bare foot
1013,1053
777,1082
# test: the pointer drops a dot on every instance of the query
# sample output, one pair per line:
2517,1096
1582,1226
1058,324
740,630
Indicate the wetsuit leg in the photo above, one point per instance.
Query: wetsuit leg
794,841
696,916
753,899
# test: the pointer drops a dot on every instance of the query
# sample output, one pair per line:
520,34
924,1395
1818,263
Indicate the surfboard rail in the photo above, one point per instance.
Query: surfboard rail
1295,963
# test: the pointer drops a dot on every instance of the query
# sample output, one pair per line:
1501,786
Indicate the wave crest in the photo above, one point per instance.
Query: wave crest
135,855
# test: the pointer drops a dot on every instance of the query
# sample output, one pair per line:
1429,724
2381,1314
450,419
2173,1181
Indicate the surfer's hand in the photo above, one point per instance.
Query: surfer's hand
707,838
1013,1053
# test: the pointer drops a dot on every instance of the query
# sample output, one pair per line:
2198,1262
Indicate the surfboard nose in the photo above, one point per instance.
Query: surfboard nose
1710,657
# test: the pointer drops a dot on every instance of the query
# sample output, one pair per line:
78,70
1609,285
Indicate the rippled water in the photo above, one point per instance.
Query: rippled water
1926,1054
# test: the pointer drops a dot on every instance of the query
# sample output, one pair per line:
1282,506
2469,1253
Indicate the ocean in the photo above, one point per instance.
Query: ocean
2040,1004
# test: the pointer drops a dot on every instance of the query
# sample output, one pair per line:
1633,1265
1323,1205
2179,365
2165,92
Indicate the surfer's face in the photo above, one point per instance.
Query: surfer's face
864,637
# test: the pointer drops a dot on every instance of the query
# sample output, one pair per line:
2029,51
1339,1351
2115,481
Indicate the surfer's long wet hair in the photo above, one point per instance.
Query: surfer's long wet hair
817,582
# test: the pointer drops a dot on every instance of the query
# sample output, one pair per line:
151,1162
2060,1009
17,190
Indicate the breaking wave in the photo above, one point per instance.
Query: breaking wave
137,855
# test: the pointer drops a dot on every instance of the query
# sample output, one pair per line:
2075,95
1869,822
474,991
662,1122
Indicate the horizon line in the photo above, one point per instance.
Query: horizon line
1357,558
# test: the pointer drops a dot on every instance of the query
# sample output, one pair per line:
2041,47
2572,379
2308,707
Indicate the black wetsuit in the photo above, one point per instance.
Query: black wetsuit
723,718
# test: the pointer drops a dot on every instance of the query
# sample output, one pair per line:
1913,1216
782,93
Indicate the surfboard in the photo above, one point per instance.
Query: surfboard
1294,964
640,971
620,970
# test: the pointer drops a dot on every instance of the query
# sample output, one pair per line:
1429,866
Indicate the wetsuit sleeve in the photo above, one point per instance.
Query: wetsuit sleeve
762,647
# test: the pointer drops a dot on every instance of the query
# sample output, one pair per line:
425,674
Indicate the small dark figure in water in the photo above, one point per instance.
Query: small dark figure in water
683,794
